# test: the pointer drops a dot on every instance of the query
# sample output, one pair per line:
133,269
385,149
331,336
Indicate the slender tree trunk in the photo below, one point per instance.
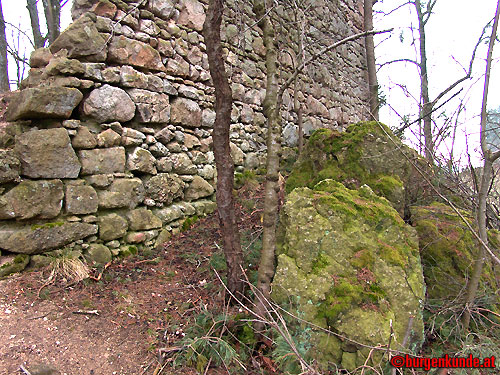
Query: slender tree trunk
486,175
272,112
223,161
52,9
35,23
4,71
426,105
370,61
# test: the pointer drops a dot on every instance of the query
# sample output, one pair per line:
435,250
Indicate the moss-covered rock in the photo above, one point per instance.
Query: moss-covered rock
366,153
349,263
10,264
448,250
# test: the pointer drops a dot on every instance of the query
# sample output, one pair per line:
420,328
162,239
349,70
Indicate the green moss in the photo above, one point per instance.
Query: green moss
189,222
363,259
321,262
47,225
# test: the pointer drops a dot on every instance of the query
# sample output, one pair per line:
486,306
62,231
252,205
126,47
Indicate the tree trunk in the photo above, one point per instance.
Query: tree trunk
223,161
426,105
4,71
52,9
486,176
370,61
35,24
271,109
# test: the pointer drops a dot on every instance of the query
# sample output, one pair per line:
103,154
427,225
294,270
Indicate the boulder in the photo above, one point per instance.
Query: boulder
142,219
164,188
82,40
198,188
366,153
29,199
349,263
81,199
192,15
141,160
108,103
43,237
123,192
10,166
125,51
47,153
40,57
102,160
151,106
45,102
112,226
185,112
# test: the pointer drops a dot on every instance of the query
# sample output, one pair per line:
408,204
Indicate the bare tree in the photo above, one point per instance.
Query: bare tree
35,23
52,10
224,163
486,175
370,60
4,71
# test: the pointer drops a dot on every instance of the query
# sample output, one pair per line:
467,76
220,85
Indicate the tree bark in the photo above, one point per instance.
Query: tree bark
52,9
223,161
35,23
426,105
486,175
4,70
271,107
370,61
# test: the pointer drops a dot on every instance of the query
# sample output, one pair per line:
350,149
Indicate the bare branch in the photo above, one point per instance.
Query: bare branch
399,60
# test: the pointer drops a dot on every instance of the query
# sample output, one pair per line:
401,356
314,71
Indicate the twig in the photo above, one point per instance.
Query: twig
23,369
86,312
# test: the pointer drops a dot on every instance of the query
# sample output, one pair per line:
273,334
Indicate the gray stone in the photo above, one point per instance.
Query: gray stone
10,166
47,153
236,154
40,58
102,161
192,15
108,138
164,136
112,226
129,77
141,160
169,214
182,164
290,135
98,253
198,188
29,199
162,8
82,40
46,102
123,192
142,219
41,238
164,165
164,188
158,149
81,200
100,180
108,103
185,112
10,264
151,106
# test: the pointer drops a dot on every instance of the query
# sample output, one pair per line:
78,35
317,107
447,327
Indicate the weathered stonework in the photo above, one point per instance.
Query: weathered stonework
110,137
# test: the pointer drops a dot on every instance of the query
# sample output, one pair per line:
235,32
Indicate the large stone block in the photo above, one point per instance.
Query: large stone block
81,199
162,8
29,199
169,214
124,192
107,104
103,160
185,112
164,188
82,40
127,51
192,15
44,237
112,226
46,102
47,153
151,106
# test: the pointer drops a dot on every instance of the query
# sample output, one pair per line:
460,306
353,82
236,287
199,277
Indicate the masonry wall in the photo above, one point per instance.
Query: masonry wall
108,144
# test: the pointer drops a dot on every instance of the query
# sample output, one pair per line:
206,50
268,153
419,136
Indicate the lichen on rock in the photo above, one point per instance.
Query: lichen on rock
349,263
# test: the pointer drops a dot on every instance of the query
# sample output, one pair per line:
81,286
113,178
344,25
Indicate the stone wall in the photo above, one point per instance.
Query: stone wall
108,143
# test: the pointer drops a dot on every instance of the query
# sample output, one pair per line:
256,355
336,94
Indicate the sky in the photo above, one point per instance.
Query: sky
452,32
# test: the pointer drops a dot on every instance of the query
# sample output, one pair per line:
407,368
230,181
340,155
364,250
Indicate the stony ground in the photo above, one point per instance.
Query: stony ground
119,324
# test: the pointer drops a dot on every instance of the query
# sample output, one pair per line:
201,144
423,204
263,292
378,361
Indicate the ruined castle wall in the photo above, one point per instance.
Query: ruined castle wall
108,143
